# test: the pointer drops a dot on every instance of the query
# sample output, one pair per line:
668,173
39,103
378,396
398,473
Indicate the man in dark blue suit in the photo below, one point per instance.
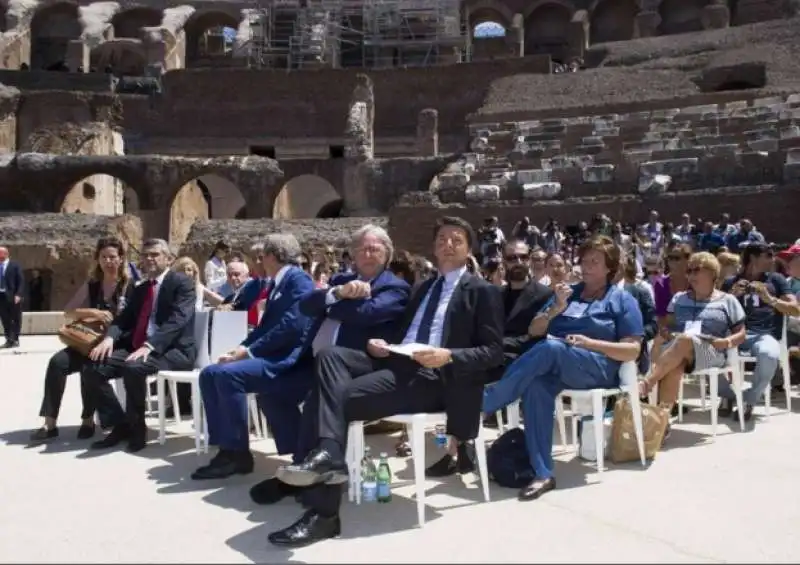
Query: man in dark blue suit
262,364
357,307
12,289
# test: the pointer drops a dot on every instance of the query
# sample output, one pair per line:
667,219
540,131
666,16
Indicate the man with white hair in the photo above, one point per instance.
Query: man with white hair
238,275
154,332
358,306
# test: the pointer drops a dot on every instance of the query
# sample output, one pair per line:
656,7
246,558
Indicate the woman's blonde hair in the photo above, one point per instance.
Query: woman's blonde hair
181,265
704,260
729,260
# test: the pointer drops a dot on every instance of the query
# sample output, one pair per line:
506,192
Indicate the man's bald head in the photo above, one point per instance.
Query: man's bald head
238,273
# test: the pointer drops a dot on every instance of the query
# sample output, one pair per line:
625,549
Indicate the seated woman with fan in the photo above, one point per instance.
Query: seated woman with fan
102,297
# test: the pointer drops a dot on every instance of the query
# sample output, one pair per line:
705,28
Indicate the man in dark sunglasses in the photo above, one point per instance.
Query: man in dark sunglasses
766,298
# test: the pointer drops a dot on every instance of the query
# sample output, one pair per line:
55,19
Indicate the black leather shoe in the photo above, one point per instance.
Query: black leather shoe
86,431
225,464
43,435
272,490
466,462
444,467
117,435
310,528
536,488
318,467
136,443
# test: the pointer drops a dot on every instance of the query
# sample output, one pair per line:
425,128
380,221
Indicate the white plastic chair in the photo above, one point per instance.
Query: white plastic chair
732,368
201,320
745,357
416,424
629,386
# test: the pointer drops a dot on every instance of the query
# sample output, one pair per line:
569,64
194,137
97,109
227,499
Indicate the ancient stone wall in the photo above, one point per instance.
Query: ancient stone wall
61,246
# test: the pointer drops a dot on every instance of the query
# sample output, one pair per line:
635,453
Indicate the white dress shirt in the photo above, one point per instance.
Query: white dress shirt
451,279
216,273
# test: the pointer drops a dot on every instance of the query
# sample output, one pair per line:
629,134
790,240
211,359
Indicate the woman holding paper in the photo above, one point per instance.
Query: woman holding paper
702,324
587,331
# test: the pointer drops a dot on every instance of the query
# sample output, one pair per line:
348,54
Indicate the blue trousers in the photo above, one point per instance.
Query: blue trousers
537,377
225,387
767,351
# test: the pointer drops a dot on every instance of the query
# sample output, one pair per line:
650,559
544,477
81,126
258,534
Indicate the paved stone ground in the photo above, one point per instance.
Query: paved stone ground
735,499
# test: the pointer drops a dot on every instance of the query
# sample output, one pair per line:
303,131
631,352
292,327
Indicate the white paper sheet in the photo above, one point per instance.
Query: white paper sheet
408,349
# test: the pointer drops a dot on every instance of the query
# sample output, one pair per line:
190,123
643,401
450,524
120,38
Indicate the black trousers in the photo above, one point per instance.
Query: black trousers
134,376
64,363
353,386
10,316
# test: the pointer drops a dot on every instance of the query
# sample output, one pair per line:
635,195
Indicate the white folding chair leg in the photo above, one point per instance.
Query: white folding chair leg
119,390
787,382
767,401
598,411
483,467
680,399
514,419
713,385
253,418
176,407
418,455
355,453
737,381
161,383
703,392
203,422
197,420
562,422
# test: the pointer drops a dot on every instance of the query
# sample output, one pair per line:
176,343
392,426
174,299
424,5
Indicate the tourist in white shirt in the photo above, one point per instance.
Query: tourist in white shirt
215,270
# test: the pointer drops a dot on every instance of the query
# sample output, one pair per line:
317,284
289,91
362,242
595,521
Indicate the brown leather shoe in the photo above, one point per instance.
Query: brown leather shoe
536,488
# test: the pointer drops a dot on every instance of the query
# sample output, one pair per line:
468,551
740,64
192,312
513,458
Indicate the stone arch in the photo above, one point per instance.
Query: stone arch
205,38
124,56
203,197
129,23
130,201
613,20
100,194
547,29
52,28
681,16
306,196
488,10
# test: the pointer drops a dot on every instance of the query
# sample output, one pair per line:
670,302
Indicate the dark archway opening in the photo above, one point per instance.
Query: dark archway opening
736,85
38,285
332,209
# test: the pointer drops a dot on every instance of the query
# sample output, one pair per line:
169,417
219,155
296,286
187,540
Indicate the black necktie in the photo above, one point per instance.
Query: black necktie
426,323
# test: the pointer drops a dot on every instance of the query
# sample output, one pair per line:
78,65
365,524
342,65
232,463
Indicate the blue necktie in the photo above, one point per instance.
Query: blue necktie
426,323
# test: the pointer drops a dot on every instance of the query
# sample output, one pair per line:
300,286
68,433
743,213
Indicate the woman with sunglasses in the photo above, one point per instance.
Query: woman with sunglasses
664,288
702,323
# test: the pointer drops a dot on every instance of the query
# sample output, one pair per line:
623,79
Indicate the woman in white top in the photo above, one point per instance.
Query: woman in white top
188,267
215,271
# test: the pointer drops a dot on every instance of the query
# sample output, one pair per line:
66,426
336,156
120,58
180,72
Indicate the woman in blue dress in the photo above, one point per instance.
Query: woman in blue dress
587,331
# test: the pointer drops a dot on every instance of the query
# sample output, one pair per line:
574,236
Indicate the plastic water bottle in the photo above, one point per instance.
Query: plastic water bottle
369,478
384,479
441,436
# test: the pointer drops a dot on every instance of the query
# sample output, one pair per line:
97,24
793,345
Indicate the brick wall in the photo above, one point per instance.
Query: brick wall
264,103
774,211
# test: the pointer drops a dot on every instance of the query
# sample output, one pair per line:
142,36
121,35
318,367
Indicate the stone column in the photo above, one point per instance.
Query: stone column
428,133
716,15
155,46
648,19
579,33
78,55
518,33
359,147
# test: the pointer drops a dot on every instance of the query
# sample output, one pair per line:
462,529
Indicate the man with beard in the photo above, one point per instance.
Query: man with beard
523,298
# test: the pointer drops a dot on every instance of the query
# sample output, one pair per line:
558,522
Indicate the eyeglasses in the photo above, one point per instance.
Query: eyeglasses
516,257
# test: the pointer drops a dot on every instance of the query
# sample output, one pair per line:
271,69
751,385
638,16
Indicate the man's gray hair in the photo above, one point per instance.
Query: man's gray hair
283,246
159,244
257,247
378,233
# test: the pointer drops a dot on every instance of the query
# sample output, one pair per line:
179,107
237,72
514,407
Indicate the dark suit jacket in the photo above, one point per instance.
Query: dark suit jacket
648,308
473,326
281,335
174,316
530,302
248,294
14,280
364,319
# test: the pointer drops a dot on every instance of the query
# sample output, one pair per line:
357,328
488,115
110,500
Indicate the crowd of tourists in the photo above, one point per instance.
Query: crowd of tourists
487,321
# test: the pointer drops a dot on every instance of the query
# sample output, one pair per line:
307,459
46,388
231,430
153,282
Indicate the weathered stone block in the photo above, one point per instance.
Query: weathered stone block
449,181
598,173
768,145
534,176
656,184
541,190
482,192
479,144
716,16
671,167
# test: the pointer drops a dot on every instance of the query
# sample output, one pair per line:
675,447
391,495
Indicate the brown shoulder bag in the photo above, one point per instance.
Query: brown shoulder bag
86,330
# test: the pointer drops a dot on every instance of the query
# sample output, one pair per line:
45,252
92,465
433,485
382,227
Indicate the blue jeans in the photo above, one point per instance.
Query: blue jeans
537,377
767,351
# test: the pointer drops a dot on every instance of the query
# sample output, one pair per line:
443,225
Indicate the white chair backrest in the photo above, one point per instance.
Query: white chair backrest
201,338
228,330
628,375
784,337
